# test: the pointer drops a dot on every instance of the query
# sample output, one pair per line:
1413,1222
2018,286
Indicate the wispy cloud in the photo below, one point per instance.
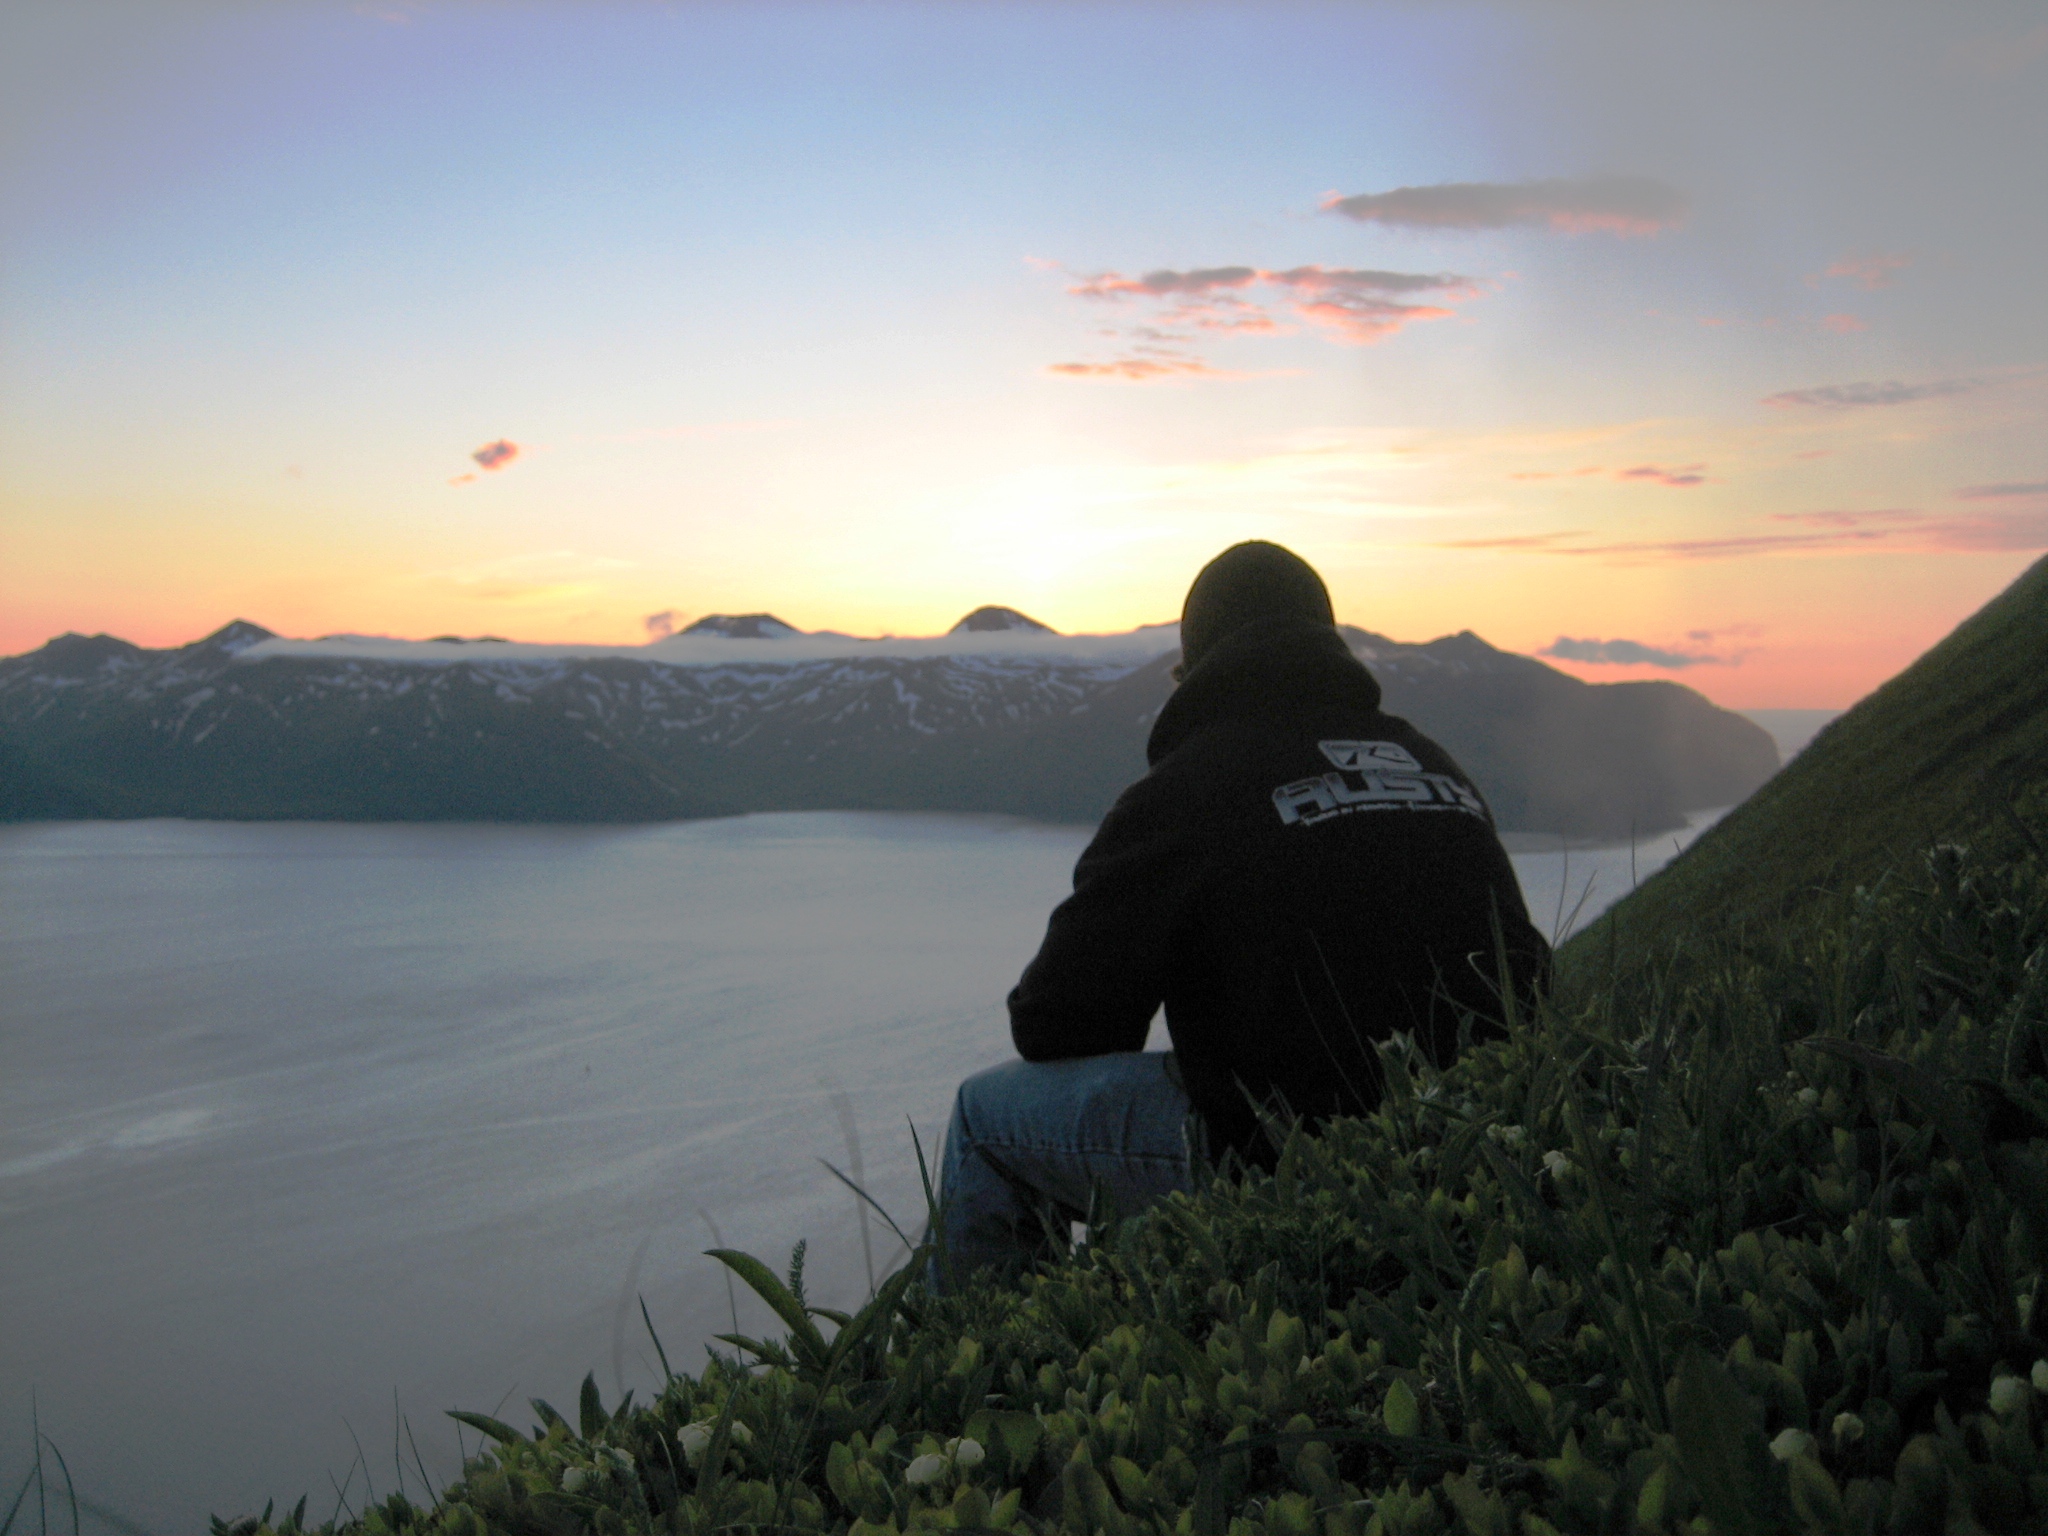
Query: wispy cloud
1360,321
2003,490
1355,306
1883,516
1888,530
1680,475
1658,474
1840,397
660,626
1165,283
1142,370
1869,273
1630,653
1620,205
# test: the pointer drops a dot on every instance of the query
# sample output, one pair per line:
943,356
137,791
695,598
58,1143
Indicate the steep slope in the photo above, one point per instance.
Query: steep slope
1955,747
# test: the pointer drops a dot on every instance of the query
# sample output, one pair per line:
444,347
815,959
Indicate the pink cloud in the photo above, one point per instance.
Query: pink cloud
1141,370
495,456
1869,273
1223,312
1352,305
1842,325
1165,283
1620,205
1360,322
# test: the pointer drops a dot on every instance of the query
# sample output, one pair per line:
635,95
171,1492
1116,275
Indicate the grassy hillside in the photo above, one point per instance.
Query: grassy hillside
1951,748
1764,1256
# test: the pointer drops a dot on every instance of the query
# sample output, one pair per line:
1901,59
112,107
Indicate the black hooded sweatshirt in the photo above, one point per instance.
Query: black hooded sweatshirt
1298,875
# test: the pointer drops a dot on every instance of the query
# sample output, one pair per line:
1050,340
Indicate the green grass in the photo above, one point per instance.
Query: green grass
1744,1231
1753,1243
1949,748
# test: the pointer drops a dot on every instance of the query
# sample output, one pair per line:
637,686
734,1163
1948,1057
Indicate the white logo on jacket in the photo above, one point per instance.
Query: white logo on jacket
1370,756
1372,776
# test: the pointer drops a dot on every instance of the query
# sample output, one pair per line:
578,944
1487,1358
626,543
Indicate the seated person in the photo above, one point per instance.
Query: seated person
1296,878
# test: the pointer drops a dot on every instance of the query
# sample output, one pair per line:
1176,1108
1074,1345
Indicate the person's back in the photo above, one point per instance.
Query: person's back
1297,877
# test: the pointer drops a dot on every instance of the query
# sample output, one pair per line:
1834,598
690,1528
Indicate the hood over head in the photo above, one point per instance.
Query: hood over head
1247,582
1275,667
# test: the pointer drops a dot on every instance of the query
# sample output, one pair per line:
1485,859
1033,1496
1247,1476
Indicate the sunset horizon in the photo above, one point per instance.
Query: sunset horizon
418,319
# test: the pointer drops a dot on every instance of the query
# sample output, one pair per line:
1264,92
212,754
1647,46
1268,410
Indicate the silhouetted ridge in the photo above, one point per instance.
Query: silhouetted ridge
80,656
233,638
743,626
992,618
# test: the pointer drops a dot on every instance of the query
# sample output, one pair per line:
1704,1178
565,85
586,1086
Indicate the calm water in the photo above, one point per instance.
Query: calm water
302,1122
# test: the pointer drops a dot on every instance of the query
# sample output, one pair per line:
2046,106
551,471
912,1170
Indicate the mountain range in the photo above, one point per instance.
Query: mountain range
743,713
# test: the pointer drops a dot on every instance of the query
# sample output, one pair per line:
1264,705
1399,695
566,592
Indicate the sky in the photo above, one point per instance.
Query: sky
1703,342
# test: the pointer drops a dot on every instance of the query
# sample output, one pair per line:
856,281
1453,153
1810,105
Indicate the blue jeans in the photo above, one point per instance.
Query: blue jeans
1036,1144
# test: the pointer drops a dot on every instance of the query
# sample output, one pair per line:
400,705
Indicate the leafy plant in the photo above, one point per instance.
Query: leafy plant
1750,1238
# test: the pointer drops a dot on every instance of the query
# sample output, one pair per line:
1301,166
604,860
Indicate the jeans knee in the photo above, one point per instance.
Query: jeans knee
980,1091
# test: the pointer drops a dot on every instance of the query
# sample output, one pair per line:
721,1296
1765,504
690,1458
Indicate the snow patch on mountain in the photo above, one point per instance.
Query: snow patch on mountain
1131,649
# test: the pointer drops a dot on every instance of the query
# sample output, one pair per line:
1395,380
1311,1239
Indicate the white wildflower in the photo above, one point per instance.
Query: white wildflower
694,1439
1808,1096
2009,1394
1558,1164
1848,1428
574,1479
621,1459
1791,1443
741,1435
928,1468
966,1452
2041,1375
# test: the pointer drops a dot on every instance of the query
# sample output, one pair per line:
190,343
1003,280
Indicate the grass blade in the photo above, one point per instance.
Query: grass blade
484,1424
762,1282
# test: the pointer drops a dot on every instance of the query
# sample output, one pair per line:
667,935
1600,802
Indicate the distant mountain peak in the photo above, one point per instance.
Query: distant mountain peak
236,636
743,626
75,655
993,618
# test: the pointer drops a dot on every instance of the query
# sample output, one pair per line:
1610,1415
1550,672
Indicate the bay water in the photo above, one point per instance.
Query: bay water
309,1132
